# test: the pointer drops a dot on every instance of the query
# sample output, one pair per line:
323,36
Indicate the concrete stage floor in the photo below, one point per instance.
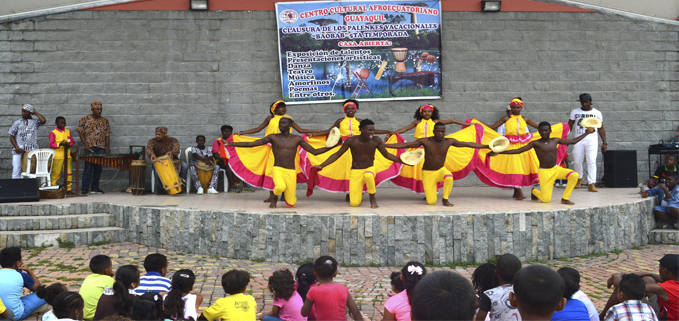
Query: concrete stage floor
392,201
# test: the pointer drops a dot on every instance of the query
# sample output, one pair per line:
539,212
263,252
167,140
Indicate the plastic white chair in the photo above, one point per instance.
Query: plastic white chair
43,168
153,171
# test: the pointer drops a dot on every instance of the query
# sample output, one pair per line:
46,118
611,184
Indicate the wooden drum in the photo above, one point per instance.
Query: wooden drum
165,167
204,172
400,55
138,177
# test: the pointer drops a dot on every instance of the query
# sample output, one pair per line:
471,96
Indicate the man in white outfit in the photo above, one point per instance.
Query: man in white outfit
588,146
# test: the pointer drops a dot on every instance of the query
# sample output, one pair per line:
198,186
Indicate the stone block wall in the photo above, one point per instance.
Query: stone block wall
195,71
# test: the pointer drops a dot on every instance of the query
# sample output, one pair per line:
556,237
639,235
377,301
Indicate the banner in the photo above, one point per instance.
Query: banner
369,50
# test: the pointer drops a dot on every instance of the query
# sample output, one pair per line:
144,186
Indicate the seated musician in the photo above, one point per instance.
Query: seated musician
203,154
164,145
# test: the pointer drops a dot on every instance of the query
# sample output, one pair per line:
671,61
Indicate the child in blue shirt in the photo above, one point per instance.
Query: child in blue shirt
154,280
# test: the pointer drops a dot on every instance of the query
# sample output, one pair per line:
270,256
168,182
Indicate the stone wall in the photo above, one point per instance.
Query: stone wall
194,71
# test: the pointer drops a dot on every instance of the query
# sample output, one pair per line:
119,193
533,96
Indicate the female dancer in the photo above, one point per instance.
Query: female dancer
510,170
255,165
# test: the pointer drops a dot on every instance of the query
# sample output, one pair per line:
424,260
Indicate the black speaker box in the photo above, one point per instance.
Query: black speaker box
19,190
620,168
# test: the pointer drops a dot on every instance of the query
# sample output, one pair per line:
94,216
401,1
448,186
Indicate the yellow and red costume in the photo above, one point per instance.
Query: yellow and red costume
547,178
254,165
56,137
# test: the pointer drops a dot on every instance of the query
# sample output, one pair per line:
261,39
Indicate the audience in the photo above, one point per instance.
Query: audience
237,306
181,302
398,306
68,306
663,171
50,293
13,276
538,292
631,290
287,303
5,314
496,300
119,298
574,309
666,213
154,280
443,295
575,277
148,306
305,279
396,283
484,279
330,299
94,284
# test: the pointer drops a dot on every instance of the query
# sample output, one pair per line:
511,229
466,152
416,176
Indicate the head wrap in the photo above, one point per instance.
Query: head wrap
28,107
516,102
96,104
161,129
349,103
274,106
425,107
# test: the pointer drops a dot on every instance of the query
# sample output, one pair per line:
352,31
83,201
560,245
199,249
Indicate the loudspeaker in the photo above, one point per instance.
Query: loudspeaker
19,190
620,168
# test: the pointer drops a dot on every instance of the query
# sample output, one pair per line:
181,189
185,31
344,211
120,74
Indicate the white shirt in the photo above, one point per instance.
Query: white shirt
189,306
578,115
591,309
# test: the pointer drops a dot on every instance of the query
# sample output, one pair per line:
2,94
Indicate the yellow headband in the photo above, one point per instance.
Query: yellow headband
273,107
516,102
425,107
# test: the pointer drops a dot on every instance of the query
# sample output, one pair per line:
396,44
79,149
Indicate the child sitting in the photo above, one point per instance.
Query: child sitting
330,299
631,290
575,277
574,308
147,307
398,306
484,279
119,298
667,211
661,172
154,280
181,303
61,140
495,301
14,275
443,295
237,306
201,153
662,287
94,284
305,279
396,283
68,306
50,293
538,292
287,303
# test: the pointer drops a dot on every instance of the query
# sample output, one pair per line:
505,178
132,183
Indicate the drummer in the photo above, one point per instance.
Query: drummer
164,145
24,136
203,154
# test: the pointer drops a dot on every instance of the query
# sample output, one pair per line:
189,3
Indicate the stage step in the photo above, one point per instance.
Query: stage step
67,237
55,222
664,236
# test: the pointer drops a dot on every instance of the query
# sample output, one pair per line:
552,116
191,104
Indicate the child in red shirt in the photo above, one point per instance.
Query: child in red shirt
330,299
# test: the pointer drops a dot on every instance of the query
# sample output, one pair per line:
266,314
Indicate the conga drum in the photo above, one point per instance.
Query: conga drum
138,175
167,172
204,172
400,55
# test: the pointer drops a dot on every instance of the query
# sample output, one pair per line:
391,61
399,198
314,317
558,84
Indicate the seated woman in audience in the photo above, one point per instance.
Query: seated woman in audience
398,306
50,293
149,306
68,306
181,302
287,303
119,298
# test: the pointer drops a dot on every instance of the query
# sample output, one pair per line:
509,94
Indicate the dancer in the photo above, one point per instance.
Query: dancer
432,169
546,151
363,161
336,176
588,146
254,166
284,147
460,161
512,170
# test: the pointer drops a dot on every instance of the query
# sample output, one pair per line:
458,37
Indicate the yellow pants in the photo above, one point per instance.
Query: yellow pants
547,178
285,181
358,178
431,178
57,167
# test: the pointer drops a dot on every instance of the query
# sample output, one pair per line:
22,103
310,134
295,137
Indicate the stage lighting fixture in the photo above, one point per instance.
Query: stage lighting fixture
491,6
198,5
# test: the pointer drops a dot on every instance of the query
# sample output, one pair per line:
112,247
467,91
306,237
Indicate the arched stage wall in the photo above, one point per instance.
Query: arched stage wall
195,71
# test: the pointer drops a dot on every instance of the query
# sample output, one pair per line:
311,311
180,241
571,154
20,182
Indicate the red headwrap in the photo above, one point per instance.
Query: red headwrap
273,107
516,102
349,103
425,107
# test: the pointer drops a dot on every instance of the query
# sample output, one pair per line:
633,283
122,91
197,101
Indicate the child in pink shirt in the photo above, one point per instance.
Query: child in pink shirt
330,299
287,303
305,280
398,306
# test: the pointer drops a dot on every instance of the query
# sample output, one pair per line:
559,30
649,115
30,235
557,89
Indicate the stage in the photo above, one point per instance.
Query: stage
483,223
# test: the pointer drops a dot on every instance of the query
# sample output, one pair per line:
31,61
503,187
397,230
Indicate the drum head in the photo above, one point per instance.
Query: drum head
204,166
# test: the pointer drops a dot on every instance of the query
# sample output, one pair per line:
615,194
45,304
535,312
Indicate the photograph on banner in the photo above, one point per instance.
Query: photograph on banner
336,50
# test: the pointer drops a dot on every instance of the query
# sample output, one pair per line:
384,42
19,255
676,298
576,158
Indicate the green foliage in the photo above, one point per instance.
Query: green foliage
65,244
258,260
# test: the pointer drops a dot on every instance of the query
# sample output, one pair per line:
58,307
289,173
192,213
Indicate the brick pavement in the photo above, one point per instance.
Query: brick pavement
369,285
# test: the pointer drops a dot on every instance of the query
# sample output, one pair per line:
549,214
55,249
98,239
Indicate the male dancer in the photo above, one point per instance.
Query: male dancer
363,157
284,147
433,170
549,171
587,146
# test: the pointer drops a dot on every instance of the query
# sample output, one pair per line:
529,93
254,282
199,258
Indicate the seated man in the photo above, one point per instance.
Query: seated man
667,211
164,145
662,287
661,172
